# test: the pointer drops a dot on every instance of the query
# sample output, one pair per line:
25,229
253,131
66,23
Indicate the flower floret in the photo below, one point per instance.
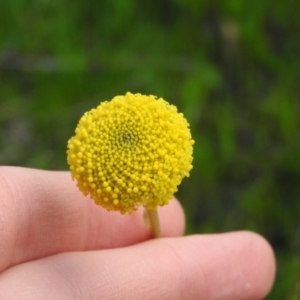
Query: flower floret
131,151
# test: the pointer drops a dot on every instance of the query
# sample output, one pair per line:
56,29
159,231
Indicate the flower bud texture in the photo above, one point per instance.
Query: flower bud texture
133,150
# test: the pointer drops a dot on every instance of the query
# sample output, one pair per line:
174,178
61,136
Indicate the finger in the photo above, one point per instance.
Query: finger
225,266
43,213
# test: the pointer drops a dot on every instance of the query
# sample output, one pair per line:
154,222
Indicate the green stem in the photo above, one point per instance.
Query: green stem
153,222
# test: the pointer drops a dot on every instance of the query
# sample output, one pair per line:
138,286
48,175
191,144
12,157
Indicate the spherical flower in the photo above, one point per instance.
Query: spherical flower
131,151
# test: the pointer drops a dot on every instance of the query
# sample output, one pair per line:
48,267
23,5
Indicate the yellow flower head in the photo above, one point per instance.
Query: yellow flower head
131,151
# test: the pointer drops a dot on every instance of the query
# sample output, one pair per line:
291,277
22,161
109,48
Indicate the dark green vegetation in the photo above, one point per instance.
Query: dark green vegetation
233,68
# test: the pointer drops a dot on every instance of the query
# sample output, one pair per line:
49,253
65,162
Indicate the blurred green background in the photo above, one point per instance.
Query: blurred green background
232,67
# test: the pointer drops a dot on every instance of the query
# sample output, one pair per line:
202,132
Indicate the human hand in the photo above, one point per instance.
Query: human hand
57,244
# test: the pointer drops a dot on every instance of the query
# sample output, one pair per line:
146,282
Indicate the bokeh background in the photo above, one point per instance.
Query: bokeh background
232,67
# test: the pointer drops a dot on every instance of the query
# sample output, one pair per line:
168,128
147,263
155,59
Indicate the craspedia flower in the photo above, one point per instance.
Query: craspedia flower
131,151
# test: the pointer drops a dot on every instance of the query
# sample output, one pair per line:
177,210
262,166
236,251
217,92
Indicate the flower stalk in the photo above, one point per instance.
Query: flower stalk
152,220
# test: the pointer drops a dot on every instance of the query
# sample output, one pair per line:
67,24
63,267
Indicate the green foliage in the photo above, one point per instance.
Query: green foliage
231,66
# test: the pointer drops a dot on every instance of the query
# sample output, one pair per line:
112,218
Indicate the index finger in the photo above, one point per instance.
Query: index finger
43,213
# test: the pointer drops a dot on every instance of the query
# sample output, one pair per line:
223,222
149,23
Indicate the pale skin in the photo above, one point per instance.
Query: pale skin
57,244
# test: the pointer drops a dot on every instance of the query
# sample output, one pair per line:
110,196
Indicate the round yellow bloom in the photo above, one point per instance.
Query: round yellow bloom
131,151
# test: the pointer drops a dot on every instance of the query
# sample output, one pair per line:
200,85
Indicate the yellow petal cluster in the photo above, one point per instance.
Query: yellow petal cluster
133,150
